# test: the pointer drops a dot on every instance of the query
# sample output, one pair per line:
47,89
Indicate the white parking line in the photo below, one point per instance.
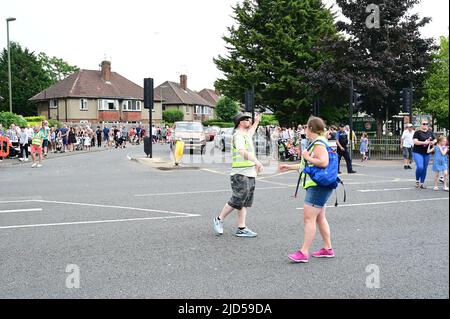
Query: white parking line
203,192
116,207
21,210
17,201
179,215
95,222
386,203
383,190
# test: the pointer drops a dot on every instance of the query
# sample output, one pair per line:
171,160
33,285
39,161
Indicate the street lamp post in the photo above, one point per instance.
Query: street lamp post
9,62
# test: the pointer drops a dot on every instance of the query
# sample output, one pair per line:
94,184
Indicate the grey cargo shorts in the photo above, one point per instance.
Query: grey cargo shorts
243,188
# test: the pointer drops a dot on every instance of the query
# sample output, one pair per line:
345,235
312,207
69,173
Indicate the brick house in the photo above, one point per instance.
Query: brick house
89,96
192,104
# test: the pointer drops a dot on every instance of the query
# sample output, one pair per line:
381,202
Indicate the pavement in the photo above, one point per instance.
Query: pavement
99,225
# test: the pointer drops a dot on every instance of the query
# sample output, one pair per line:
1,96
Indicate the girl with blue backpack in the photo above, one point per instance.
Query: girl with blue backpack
319,160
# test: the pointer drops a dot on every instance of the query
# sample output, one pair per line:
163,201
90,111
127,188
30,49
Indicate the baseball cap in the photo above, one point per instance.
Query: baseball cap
241,116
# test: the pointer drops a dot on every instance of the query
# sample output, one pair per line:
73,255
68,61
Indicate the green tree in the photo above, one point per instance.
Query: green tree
7,118
56,68
435,99
30,74
272,45
381,61
172,116
227,109
27,78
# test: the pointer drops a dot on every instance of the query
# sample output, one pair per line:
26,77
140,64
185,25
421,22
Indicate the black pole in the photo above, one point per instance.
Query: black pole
149,103
253,103
351,117
411,88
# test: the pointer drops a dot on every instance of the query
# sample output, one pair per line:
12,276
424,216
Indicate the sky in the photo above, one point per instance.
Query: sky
161,39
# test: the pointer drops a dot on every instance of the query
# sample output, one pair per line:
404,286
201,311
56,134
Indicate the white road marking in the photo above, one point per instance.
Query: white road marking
383,190
213,171
17,201
386,203
95,222
380,182
203,192
179,215
21,210
116,207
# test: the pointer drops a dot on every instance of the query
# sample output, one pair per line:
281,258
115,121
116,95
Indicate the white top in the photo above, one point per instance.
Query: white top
407,138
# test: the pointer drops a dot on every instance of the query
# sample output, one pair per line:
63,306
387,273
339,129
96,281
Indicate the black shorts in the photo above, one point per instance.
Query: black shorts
243,188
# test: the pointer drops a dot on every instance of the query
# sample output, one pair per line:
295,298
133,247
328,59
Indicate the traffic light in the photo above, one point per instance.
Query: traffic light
406,100
357,100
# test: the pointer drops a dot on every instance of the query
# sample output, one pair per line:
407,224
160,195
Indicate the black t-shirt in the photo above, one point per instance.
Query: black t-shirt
422,136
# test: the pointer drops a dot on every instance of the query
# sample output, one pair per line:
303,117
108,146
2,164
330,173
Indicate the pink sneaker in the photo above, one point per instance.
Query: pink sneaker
324,253
298,257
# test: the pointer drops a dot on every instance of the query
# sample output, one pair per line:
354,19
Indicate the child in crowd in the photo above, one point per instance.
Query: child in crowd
23,141
364,147
87,141
440,161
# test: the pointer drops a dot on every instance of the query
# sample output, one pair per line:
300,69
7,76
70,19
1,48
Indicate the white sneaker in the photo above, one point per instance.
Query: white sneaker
21,159
34,165
26,160
39,165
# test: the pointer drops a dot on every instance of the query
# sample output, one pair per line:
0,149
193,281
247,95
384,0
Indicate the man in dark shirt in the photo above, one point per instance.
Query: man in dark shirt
105,134
342,144
98,132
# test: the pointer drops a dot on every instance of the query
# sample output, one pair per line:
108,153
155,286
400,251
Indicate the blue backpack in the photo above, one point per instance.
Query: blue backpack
323,177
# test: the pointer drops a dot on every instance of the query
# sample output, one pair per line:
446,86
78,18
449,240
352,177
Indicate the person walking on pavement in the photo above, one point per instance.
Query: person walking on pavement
316,196
406,144
422,139
245,167
342,149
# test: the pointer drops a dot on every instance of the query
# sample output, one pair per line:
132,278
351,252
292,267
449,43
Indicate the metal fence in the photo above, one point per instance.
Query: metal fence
387,148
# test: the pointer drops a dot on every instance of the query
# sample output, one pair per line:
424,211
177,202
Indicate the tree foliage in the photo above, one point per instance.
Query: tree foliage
435,100
381,61
272,44
172,116
56,68
27,79
227,109
30,74
7,118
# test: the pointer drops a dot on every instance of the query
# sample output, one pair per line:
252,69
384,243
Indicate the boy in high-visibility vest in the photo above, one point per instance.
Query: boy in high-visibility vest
36,145
244,170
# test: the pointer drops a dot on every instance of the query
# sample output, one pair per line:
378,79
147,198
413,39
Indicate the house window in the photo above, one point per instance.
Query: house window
188,111
131,105
108,105
83,105
53,104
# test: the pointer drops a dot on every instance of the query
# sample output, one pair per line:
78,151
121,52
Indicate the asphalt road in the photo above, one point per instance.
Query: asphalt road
132,231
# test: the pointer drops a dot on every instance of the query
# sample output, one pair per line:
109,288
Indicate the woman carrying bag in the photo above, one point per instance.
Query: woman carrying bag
316,196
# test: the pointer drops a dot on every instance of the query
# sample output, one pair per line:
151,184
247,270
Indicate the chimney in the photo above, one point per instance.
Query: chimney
183,81
106,71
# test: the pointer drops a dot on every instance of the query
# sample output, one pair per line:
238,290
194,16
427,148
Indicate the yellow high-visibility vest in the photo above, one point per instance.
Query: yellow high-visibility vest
238,160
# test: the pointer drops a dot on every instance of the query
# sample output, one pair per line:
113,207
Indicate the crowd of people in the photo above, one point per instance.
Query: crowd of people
40,140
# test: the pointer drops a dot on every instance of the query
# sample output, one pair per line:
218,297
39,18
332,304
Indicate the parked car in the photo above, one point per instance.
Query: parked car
211,132
224,138
192,134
